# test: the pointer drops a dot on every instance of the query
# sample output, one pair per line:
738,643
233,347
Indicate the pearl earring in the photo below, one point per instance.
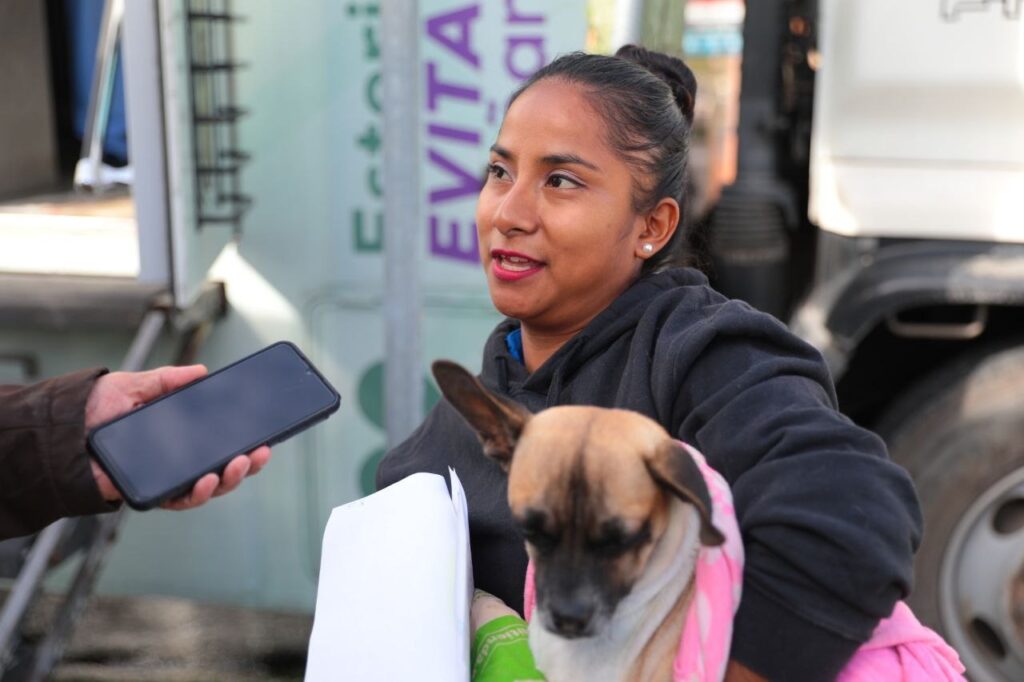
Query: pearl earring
648,248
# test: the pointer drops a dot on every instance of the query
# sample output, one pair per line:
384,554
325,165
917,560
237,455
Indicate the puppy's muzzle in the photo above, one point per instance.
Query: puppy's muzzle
571,618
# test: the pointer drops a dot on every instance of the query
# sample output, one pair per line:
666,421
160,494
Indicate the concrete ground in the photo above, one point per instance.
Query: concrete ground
177,640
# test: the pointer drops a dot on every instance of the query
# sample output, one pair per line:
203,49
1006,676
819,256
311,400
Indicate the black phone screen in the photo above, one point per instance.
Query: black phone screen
171,442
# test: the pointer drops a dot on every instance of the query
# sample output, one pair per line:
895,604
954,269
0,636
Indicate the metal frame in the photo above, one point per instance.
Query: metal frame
37,662
147,144
212,67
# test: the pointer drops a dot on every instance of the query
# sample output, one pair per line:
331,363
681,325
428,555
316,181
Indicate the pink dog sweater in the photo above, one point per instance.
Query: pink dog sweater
901,649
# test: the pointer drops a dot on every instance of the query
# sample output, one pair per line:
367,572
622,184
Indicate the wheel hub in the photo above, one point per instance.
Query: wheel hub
982,582
1016,605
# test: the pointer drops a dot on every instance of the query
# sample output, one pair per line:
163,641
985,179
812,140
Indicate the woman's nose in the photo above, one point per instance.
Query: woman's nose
517,210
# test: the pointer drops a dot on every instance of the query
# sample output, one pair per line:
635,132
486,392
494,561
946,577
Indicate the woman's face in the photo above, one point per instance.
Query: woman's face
559,238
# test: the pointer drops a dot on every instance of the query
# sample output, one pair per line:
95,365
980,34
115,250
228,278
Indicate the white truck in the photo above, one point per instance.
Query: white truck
899,127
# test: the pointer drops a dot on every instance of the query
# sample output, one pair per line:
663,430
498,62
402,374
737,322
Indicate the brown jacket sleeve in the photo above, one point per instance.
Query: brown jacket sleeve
45,472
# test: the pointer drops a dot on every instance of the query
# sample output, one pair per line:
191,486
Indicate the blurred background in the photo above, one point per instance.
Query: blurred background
190,180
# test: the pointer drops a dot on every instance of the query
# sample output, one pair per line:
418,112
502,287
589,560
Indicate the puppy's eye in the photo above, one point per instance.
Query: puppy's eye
615,541
533,526
539,539
609,546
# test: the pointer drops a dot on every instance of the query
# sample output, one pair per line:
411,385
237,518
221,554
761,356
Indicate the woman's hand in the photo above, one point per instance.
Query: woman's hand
116,393
485,608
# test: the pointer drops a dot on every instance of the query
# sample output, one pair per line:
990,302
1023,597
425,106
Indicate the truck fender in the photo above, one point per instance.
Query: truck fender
839,312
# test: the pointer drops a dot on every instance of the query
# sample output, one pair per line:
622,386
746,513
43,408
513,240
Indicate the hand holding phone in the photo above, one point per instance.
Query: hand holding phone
117,393
160,450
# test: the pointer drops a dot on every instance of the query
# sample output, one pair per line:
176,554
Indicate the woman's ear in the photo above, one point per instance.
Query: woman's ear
659,224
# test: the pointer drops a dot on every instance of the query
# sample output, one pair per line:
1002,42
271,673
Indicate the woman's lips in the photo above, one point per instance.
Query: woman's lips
511,266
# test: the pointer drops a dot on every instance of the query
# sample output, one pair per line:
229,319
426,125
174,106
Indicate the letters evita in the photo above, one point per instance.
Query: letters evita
457,80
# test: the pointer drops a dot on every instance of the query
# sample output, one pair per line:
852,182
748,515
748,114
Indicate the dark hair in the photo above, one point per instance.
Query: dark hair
646,100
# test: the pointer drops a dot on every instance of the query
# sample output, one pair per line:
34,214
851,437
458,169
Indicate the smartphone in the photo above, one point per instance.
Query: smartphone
158,451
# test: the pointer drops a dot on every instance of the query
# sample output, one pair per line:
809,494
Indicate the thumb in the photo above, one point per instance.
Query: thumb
167,379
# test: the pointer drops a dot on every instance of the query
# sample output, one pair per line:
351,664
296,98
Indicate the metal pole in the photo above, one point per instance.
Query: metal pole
25,587
88,169
59,632
764,28
750,224
629,23
145,340
403,385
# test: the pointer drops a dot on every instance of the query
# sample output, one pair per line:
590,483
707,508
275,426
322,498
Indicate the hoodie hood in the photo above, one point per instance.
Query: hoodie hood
506,374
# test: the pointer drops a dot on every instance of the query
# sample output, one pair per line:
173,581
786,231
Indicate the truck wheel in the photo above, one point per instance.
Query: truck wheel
961,435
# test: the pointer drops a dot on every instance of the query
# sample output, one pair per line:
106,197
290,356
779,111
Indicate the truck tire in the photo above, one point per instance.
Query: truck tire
960,434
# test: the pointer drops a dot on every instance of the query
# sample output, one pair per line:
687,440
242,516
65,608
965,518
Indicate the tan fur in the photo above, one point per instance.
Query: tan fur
583,470
610,445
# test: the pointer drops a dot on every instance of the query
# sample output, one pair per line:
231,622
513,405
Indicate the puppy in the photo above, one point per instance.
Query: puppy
613,511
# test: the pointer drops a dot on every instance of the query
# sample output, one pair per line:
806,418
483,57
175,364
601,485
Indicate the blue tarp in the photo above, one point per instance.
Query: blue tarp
83,20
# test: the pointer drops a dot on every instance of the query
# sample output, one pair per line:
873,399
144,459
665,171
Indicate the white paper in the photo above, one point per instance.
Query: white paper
395,587
463,564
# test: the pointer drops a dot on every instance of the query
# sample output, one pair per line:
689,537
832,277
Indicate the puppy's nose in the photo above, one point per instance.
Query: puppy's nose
572,619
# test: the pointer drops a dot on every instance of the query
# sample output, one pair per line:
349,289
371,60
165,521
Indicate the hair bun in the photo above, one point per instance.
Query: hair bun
670,69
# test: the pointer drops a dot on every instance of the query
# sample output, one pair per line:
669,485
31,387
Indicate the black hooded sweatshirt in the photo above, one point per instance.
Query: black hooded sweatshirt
829,524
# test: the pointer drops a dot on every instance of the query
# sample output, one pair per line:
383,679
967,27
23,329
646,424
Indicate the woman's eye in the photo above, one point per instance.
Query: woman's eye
563,182
497,172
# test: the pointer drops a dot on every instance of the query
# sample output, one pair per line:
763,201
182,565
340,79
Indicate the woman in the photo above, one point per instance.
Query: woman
578,225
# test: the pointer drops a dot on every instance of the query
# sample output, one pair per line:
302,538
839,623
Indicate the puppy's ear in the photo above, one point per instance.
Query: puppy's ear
497,422
673,467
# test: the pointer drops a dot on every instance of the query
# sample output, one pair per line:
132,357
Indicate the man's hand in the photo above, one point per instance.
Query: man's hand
119,392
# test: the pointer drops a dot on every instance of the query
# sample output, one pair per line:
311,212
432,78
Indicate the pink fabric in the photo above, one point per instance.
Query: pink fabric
900,650
718,579
903,650
529,593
